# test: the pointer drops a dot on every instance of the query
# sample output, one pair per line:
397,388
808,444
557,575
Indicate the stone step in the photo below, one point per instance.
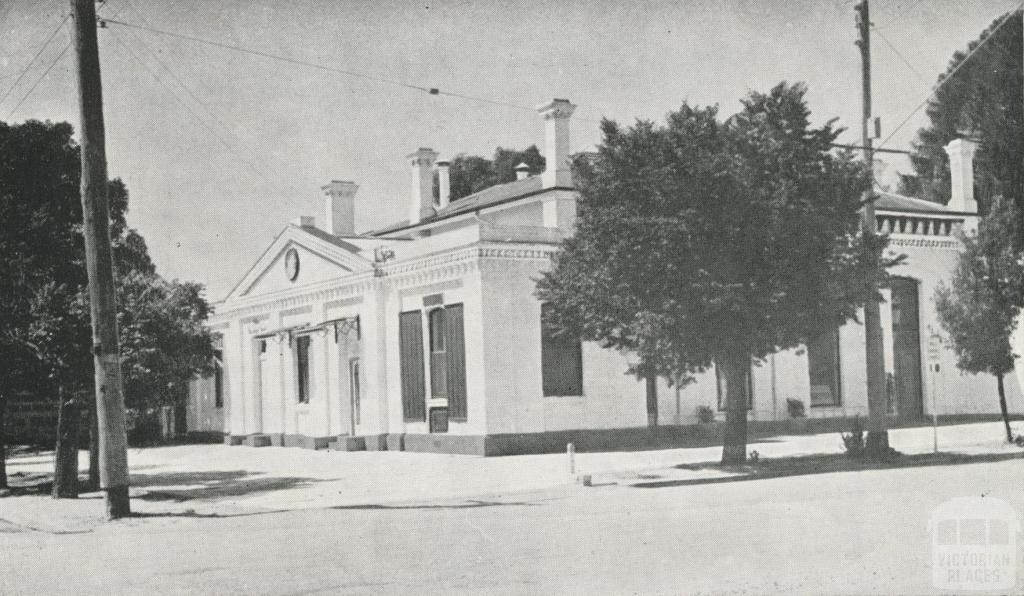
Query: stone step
347,444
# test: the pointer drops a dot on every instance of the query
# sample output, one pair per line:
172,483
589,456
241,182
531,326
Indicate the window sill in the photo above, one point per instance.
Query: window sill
564,396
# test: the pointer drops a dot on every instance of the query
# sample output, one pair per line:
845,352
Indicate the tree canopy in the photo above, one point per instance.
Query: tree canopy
471,173
982,99
703,240
45,330
980,306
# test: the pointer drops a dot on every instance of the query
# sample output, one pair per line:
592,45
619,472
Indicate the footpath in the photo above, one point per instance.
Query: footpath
220,481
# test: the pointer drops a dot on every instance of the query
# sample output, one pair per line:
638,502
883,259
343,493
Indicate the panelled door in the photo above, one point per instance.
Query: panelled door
906,335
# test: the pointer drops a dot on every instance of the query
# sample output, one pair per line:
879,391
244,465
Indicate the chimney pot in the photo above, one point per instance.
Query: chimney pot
421,199
340,207
556,116
444,189
522,171
961,175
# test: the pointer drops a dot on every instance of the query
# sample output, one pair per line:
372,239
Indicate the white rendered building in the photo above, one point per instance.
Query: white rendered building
427,336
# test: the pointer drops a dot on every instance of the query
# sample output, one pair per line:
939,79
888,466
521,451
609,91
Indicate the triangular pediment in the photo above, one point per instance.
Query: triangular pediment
300,257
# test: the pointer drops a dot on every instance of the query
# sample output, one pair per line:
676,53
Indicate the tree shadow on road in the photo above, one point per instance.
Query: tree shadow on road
819,464
188,486
470,504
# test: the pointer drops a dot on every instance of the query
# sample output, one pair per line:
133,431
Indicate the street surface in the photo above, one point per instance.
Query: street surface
846,532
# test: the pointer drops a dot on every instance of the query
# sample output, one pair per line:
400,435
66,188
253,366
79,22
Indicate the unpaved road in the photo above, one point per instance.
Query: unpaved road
853,532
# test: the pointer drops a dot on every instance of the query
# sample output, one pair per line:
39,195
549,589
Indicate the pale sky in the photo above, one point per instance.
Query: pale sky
212,183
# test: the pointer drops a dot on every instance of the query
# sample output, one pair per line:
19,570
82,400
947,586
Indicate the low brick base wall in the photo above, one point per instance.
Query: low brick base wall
613,439
443,443
205,437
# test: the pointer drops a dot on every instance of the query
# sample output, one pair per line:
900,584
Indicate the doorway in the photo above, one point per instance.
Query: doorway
906,338
355,395
269,412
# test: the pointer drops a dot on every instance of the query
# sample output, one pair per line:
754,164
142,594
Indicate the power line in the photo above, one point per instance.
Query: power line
36,57
861,147
189,109
901,14
195,98
40,79
948,77
277,57
262,54
900,55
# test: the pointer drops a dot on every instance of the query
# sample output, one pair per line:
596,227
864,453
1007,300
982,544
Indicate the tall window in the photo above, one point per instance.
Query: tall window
561,360
438,360
823,367
720,382
302,362
218,378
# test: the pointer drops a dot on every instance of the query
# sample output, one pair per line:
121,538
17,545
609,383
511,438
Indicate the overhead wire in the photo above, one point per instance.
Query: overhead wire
951,74
271,56
40,79
899,55
356,74
189,109
206,108
899,16
38,53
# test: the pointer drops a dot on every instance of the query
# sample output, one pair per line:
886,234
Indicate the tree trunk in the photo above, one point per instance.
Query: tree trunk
1002,407
652,401
735,366
94,447
3,443
65,476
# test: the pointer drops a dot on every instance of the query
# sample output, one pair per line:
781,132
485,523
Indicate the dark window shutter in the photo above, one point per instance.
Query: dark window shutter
561,362
823,369
302,358
410,340
455,345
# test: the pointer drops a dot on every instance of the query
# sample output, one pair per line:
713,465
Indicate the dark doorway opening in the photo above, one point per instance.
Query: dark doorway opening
906,337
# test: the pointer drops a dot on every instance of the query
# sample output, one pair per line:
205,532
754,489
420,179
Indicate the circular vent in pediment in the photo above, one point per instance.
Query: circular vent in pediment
291,264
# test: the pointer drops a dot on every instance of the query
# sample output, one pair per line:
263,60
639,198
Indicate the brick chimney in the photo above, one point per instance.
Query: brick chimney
961,175
556,116
522,171
444,189
340,207
421,199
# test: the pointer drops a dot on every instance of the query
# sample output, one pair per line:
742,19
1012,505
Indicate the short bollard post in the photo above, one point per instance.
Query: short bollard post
570,450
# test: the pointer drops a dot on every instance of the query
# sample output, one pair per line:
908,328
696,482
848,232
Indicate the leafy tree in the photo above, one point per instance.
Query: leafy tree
471,173
45,330
164,342
39,170
982,99
702,241
979,309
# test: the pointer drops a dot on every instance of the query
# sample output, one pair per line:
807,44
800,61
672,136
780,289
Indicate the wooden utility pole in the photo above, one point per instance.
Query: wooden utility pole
100,265
878,402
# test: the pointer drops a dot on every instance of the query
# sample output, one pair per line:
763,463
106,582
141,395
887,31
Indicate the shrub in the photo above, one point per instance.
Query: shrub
143,428
705,414
795,408
853,441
